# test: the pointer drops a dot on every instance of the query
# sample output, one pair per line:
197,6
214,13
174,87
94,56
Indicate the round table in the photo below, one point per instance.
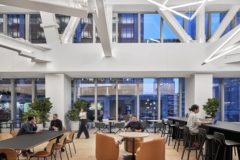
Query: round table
132,135
155,121
110,124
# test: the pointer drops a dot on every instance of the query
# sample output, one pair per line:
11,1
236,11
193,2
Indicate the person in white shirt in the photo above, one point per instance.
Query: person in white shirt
193,122
82,126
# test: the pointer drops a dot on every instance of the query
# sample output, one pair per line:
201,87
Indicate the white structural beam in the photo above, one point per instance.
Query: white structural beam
227,40
200,20
69,31
225,22
27,50
233,58
102,27
50,27
46,6
175,26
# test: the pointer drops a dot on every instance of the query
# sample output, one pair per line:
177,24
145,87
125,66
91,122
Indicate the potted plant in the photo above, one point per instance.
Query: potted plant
211,107
73,114
40,109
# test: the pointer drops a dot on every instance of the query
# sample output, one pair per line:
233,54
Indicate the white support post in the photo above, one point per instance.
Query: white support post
225,22
200,26
138,100
180,97
27,27
95,99
139,27
159,98
222,99
116,99
5,24
50,27
13,103
74,89
175,26
33,90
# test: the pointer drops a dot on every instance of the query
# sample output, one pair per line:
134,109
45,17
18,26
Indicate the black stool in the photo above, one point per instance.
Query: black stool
179,131
164,131
170,132
204,138
188,140
219,138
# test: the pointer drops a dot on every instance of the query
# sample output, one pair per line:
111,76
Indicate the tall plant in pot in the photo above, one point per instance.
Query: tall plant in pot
73,114
211,108
41,110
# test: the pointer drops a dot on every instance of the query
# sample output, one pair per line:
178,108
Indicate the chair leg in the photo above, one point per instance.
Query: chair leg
74,146
235,150
176,140
217,152
189,147
179,136
66,152
224,156
238,152
60,152
97,131
70,149
185,145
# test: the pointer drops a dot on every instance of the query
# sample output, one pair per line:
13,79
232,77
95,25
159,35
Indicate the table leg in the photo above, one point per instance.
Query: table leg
133,147
110,127
154,127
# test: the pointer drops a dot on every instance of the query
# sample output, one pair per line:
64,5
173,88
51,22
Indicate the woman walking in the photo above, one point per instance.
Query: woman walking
82,127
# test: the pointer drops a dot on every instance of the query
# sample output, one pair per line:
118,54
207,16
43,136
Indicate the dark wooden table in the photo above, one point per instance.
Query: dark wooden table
230,130
28,141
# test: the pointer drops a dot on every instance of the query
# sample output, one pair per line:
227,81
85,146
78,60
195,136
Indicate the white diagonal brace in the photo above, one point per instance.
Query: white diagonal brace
200,24
225,22
50,27
69,31
233,58
102,27
175,26
27,50
47,7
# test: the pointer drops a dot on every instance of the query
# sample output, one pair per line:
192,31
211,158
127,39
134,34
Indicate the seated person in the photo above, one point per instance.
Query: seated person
133,126
55,123
193,122
29,127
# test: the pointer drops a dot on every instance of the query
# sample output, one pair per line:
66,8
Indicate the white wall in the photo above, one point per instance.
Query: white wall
198,90
58,88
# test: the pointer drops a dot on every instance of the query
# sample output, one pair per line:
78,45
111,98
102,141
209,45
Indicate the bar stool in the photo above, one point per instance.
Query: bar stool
179,131
170,131
188,140
204,138
219,138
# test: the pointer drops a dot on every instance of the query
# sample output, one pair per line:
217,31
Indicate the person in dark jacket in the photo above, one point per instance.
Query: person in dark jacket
55,123
133,126
29,127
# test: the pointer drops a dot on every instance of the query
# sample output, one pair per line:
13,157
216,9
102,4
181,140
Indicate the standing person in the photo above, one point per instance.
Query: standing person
193,122
100,116
82,127
29,127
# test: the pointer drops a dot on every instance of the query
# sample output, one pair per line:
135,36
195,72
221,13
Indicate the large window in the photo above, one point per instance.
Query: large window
169,35
169,97
84,31
217,94
85,91
23,96
114,28
148,98
106,96
16,25
127,96
238,18
5,98
150,28
128,28
36,34
62,21
1,23
216,19
231,99
40,88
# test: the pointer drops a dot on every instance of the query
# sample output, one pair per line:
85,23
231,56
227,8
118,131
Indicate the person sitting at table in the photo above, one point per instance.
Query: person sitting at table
29,127
55,123
193,122
133,126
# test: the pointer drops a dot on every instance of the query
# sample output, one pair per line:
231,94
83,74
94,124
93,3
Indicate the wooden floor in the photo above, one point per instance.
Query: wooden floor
86,149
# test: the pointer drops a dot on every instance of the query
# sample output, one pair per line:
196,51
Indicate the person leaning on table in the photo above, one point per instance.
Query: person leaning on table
133,126
29,127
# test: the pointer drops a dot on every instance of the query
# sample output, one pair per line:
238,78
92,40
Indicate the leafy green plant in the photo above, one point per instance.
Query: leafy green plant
73,114
187,115
40,109
211,108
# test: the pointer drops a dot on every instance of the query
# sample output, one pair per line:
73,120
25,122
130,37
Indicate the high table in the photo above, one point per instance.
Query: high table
132,135
28,141
110,125
230,130
155,121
